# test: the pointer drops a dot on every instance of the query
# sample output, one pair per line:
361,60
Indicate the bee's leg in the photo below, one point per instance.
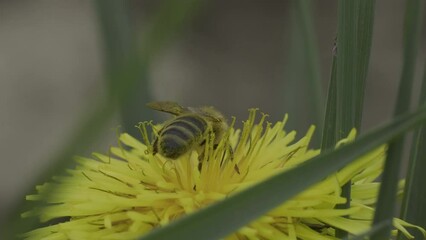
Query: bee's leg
202,144
231,156
154,146
201,156
200,160
200,165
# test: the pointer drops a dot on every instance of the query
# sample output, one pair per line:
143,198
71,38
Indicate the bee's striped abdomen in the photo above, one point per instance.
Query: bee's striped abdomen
179,135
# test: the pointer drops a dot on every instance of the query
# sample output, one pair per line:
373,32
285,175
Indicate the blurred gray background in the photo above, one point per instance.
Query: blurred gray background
233,55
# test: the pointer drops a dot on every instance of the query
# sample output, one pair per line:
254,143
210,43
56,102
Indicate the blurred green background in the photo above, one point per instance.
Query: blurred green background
234,55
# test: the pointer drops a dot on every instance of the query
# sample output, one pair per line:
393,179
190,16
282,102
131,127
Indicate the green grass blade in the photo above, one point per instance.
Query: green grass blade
387,195
121,51
225,217
365,23
364,32
354,37
413,207
412,30
346,69
309,49
329,136
346,81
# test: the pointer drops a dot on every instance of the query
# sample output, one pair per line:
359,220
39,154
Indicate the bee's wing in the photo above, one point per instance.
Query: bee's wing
168,107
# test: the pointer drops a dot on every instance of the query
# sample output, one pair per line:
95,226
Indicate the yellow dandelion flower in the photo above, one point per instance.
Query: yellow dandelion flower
129,192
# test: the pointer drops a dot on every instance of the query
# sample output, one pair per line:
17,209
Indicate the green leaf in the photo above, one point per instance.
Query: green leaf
387,195
413,207
225,217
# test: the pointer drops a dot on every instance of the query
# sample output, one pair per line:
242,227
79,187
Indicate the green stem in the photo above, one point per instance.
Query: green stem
387,195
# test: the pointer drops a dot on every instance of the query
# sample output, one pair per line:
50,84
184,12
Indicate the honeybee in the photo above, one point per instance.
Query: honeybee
188,130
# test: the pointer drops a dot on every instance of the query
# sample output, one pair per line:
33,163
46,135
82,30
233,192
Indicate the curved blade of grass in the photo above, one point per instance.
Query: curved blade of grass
165,25
413,207
387,194
225,217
